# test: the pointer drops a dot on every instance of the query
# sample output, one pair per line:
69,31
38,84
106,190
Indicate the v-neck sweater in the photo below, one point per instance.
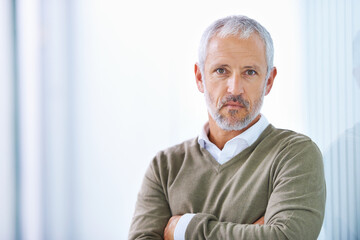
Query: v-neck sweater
280,176
235,145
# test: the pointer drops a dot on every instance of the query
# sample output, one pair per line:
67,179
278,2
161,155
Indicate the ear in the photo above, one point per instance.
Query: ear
198,78
270,80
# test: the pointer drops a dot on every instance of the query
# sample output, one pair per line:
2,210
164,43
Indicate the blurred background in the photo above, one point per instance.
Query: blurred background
91,90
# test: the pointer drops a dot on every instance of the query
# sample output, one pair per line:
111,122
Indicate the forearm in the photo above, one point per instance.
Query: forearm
181,223
205,226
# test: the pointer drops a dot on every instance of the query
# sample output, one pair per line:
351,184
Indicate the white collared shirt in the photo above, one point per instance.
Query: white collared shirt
231,148
235,145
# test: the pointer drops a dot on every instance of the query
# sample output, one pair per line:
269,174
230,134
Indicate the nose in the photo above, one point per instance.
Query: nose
235,84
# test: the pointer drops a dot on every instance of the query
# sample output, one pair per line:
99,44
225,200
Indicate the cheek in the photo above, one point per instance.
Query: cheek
254,94
216,92
218,97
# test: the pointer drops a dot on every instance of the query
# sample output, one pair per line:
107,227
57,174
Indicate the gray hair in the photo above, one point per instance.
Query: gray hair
242,27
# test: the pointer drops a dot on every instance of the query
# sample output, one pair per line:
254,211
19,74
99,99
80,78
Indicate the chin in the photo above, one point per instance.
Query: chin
232,127
231,124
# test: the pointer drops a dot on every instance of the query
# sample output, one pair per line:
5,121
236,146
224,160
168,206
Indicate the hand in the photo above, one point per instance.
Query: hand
170,227
260,221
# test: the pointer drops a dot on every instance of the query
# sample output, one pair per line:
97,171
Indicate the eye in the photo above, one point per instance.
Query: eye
251,72
220,70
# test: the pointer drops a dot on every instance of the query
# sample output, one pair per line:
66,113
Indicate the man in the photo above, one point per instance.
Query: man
241,170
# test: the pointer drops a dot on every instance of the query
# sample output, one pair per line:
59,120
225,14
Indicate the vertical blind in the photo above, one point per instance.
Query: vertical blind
7,176
332,96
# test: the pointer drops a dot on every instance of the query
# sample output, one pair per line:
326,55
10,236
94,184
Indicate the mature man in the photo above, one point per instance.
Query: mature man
240,169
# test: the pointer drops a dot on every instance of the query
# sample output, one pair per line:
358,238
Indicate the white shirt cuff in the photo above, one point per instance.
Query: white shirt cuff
179,233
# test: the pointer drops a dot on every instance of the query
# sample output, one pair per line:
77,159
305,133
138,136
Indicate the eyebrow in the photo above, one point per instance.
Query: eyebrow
256,67
252,66
219,66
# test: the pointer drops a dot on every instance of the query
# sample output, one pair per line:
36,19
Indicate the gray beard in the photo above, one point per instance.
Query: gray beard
233,124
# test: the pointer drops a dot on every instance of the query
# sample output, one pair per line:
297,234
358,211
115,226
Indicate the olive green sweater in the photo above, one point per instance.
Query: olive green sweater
280,177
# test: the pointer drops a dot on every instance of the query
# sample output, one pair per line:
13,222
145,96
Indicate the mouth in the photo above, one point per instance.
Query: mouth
233,105
232,102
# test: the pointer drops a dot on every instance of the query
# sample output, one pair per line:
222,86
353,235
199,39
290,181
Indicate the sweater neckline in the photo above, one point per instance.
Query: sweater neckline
221,167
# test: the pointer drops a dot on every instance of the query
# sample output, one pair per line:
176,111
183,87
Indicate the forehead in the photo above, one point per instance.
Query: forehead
236,49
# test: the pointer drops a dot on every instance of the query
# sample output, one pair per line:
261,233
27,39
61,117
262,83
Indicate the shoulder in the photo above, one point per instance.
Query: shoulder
178,151
181,148
290,148
285,139
171,159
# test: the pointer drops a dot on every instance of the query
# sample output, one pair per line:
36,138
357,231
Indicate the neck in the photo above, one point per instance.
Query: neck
219,136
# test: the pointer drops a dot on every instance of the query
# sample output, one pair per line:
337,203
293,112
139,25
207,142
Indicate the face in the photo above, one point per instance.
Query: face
233,80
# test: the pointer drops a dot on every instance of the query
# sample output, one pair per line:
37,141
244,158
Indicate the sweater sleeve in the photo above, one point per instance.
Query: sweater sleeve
152,210
295,207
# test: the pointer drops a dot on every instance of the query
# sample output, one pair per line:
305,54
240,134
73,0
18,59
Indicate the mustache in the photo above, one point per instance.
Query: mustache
234,98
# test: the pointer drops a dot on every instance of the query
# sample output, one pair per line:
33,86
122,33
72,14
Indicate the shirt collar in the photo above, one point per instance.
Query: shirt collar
250,135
